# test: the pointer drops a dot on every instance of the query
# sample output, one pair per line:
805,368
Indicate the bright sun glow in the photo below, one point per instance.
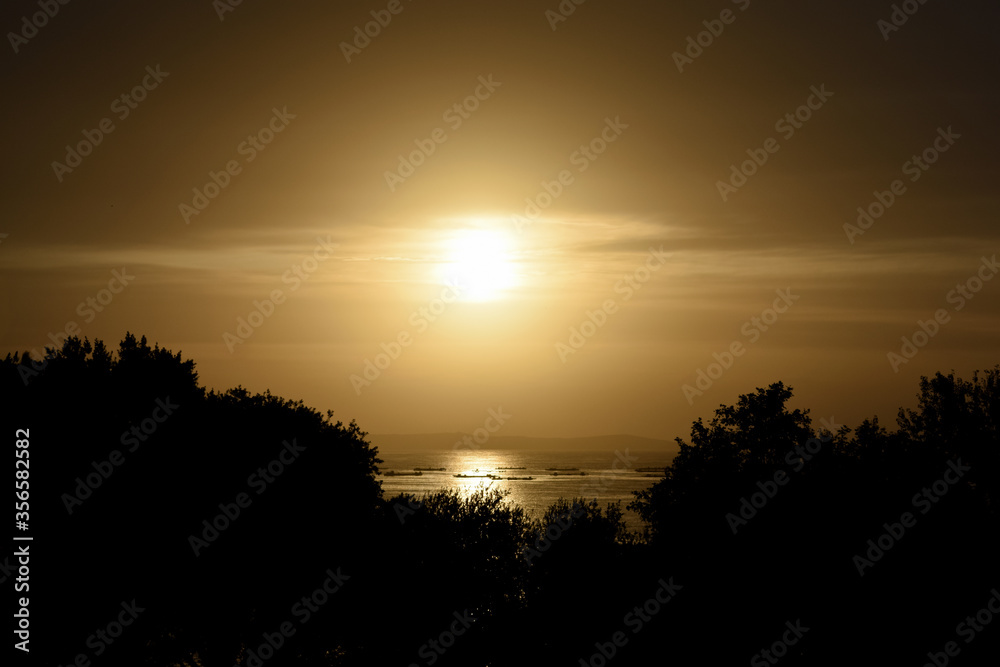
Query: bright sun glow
481,263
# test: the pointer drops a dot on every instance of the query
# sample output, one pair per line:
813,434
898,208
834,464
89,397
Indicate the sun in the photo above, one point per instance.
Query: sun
481,263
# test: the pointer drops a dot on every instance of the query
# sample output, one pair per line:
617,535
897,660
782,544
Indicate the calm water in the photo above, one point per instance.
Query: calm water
535,495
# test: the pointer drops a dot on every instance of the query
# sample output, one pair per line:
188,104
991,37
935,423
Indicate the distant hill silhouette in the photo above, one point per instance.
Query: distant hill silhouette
447,441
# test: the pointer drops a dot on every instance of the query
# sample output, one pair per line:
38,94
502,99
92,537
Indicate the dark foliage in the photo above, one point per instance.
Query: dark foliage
760,519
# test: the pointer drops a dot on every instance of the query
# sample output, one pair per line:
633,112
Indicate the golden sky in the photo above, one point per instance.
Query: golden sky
569,215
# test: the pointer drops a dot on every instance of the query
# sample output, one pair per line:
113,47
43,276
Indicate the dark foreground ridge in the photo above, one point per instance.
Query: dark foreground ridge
177,526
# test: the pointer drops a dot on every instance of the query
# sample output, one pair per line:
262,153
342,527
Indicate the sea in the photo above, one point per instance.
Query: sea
607,476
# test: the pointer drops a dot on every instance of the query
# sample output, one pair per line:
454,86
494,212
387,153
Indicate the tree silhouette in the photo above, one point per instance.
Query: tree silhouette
85,407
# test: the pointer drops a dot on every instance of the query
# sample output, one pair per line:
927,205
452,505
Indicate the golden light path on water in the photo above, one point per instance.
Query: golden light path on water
534,480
